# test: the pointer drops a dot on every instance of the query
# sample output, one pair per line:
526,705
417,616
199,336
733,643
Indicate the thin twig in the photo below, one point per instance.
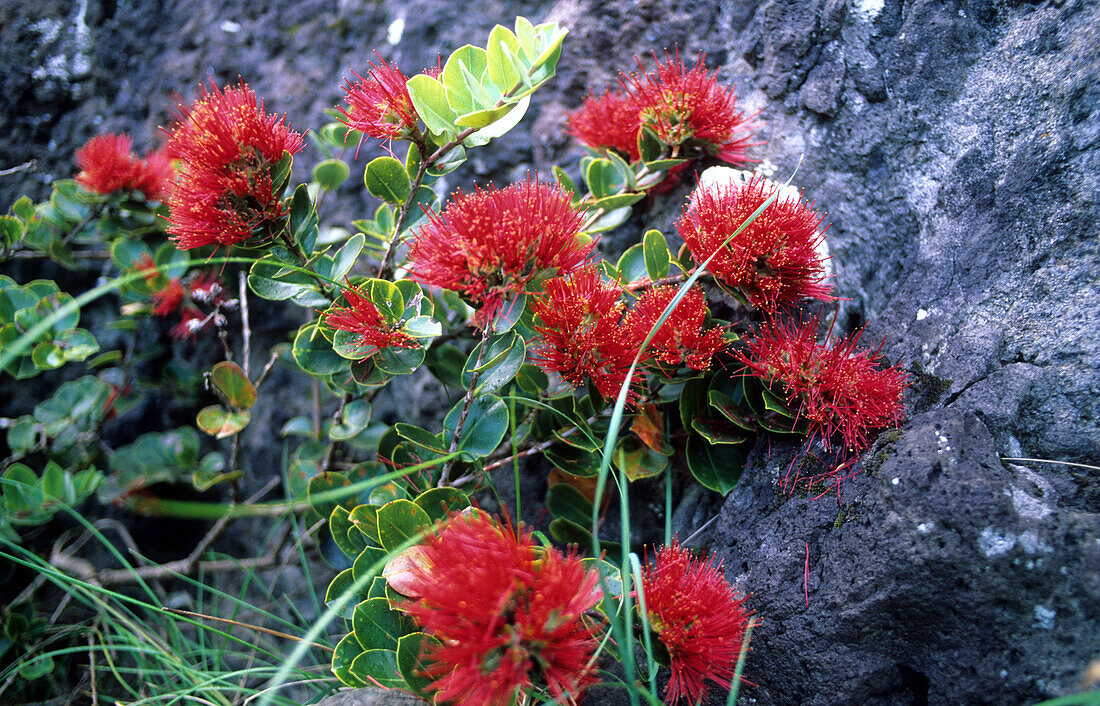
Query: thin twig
466,402
246,330
267,368
25,166
77,255
332,441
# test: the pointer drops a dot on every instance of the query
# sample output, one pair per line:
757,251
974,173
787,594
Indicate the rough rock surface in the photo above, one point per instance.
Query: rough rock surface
955,146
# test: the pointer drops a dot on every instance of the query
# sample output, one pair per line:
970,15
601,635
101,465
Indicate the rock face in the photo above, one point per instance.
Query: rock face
956,148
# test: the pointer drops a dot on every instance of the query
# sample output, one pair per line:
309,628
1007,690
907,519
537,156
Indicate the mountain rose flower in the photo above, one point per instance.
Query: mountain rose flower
683,106
510,615
699,619
492,244
379,105
774,260
839,391
681,338
228,147
582,335
610,121
362,317
108,165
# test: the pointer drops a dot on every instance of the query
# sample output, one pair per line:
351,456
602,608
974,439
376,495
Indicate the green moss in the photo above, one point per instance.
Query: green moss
850,511
928,387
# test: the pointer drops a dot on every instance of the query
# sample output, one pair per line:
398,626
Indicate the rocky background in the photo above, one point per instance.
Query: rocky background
956,148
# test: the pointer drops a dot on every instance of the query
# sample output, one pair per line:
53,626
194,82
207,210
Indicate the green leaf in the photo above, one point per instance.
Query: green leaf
563,500
564,181
365,519
657,256
462,76
632,265
604,178
344,258
715,467
319,487
21,435
484,428
409,650
502,48
399,521
23,208
314,354
612,203
386,179
11,231
503,359
637,460
231,381
609,220
501,124
377,627
379,666
280,173
270,279
429,97
346,652
438,503
354,419
344,533
303,219
331,173
219,422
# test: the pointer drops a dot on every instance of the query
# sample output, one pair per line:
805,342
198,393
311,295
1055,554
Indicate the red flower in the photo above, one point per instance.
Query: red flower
682,105
610,121
108,165
774,260
380,104
510,614
157,176
491,244
362,317
168,299
582,335
228,146
697,617
192,321
206,288
681,338
838,390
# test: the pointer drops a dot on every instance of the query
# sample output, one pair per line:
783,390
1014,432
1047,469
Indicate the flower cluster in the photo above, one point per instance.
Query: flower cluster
108,165
510,615
379,105
582,333
172,294
681,339
228,147
774,260
839,391
687,110
699,619
362,317
492,244
586,332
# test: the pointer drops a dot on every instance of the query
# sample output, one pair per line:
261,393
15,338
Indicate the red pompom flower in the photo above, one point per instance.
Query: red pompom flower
838,390
229,147
362,317
699,619
491,244
582,335
379,105
509,614
607,122
681,338
108,165
690,108
774,260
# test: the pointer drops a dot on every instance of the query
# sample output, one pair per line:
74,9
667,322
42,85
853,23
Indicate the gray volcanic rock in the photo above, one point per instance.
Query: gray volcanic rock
956,148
